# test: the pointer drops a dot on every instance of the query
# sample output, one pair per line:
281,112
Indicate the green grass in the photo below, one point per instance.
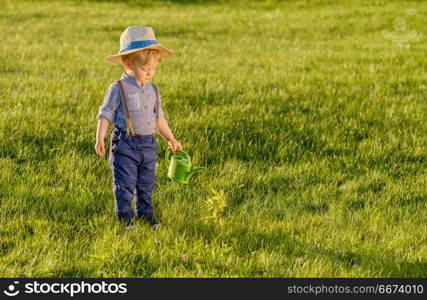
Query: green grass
309,120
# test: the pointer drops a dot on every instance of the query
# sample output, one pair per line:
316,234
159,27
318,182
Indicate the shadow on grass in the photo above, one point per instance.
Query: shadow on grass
160,2
383,266
73,271
36,147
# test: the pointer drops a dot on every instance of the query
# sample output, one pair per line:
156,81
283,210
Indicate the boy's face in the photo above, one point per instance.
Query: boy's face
143,73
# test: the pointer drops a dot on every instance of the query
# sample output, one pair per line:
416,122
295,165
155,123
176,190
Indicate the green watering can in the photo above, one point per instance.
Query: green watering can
180,166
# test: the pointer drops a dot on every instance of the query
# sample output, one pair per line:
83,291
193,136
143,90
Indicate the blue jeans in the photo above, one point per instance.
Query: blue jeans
133,164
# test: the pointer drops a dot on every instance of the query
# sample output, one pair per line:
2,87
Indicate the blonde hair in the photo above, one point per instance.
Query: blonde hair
142,57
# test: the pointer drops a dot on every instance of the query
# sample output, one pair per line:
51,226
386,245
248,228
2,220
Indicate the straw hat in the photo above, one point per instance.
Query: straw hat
136,38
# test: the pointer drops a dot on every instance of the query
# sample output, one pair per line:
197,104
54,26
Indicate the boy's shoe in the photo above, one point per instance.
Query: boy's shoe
129,225
154,224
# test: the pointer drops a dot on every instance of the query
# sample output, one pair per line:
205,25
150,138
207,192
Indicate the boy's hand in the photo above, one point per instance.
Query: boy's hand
100,147
175,145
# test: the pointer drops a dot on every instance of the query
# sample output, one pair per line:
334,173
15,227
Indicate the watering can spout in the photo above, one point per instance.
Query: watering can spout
194,170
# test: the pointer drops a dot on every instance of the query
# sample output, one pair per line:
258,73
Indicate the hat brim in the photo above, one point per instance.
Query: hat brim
117,58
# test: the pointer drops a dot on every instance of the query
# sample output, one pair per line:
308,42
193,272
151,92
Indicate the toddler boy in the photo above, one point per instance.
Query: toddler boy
133,104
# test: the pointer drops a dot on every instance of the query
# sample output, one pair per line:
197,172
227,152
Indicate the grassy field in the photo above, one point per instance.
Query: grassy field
311,123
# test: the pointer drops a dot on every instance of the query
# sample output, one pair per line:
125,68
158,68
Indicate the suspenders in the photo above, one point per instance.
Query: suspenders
156,130
129,125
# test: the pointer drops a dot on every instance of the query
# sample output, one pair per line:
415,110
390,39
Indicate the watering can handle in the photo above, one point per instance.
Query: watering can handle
168,154
186,155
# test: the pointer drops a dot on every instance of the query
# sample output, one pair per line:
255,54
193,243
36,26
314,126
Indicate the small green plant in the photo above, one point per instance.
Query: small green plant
214,208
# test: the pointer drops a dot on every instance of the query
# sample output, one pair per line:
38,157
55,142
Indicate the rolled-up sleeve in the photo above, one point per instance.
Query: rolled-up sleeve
111,103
